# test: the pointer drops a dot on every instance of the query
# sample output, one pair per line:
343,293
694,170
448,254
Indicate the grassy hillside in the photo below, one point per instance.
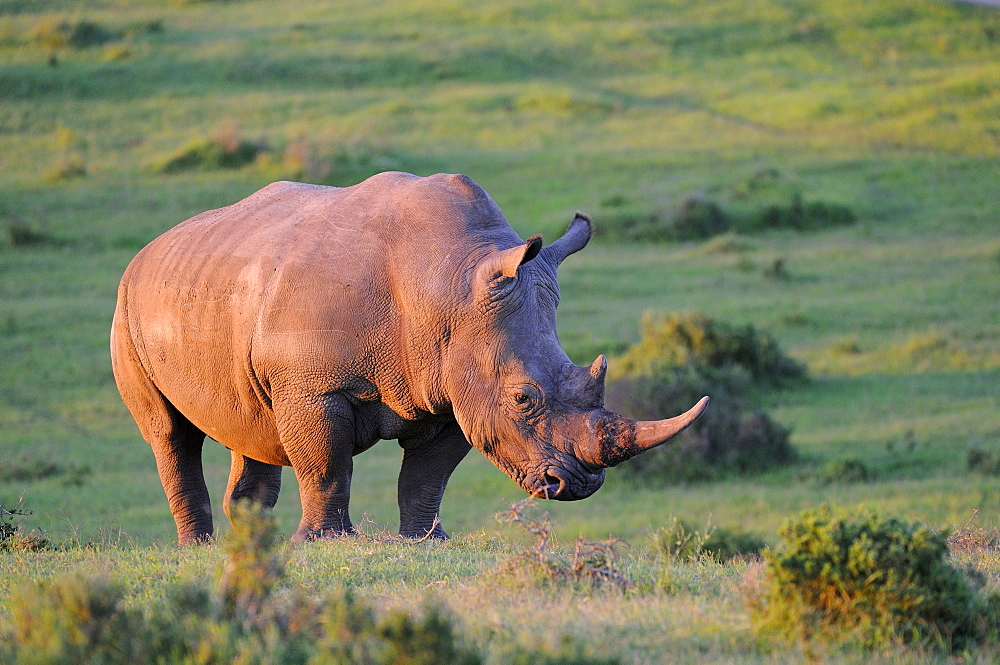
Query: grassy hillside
121,118
619,109
616,109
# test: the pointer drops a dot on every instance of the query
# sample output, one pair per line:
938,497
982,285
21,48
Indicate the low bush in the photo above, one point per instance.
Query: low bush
797,214
679,540
28,469
22,234
769,200
694,218
251,618
765,201
983,461
726,354
13,537
67,168
679,359
210,154
874,582
338,165
850,470
728,438
592,564
52,32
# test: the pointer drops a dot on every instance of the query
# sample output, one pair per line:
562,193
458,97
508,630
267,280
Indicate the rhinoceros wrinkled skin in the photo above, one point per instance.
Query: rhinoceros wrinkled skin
303,324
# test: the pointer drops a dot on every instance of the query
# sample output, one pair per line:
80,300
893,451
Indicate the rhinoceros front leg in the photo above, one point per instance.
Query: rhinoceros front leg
253,480
422,478
318,436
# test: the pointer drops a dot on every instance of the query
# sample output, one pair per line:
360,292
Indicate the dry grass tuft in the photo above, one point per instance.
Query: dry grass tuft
592,563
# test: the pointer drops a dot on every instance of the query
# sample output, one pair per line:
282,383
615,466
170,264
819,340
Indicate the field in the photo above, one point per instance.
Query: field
621,110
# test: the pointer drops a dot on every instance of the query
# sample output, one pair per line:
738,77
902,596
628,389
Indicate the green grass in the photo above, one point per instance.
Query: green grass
892,109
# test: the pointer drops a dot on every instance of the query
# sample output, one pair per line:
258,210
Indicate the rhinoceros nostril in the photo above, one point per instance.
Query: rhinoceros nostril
553,485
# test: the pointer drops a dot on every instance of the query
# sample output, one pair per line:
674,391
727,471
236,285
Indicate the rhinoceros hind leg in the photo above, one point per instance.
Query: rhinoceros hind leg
422,480
253,480
177,446
178,461
318,434
175,441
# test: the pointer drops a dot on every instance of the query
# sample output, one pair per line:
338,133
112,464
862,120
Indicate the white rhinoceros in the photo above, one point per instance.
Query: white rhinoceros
303,324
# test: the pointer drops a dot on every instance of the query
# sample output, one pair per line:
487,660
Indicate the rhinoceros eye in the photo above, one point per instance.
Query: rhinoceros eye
527,397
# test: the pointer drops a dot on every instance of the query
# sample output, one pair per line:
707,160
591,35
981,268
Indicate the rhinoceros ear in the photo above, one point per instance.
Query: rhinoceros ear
576,238
508,261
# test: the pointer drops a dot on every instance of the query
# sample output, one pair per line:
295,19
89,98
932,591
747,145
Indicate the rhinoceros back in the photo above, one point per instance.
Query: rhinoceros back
280,291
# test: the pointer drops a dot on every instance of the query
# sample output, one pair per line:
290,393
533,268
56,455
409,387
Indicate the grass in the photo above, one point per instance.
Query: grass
888,108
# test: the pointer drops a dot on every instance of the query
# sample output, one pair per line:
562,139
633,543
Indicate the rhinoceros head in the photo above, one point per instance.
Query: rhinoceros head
516,394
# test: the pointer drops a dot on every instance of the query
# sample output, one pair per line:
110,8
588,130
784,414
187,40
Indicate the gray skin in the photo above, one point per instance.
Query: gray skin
303,324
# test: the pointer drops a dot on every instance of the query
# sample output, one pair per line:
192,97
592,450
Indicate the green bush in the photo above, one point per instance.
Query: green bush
336,165
697,218
694,218
765,201
768,200
871,581
27,469
799,215
50,32
851,470
730,355
67,168
12,536
728,438
983,461
21,234
679,540
679,359
252,617
210,154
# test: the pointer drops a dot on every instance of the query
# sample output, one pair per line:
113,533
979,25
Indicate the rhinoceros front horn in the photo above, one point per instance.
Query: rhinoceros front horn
616,439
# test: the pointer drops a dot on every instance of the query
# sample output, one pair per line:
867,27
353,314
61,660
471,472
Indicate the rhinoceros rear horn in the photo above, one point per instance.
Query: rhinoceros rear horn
576,238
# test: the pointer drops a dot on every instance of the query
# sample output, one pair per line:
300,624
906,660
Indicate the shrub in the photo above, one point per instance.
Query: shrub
871,581
74,619
983,461
52,33
765,201
800,215
680,358
728,438
678,540
697,218
592,564
727,354
12,536
727,243
21,234
694,218
251,618
67,168
27,469
209,154
337,165
772,201
851,470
